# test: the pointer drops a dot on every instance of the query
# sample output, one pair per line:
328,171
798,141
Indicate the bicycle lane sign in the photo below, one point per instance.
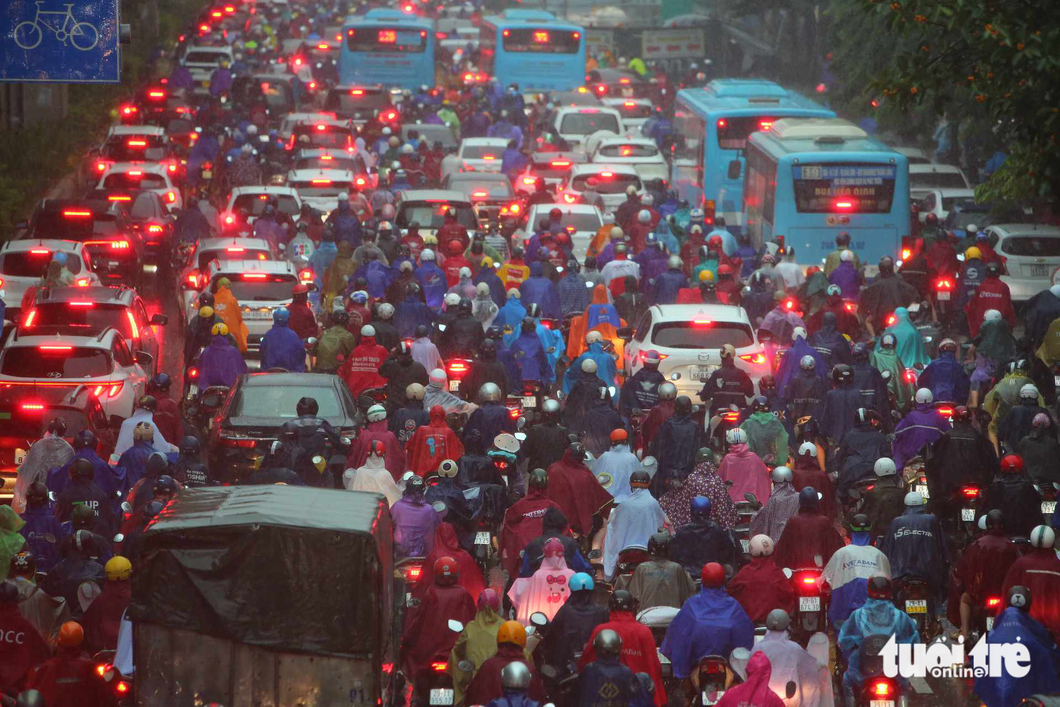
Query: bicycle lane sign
60,41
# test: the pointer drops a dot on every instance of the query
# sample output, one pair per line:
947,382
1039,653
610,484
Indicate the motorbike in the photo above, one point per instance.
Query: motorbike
745,511
529,400
812,610
456,369
434,684
876,689
119,689
711,677
916,598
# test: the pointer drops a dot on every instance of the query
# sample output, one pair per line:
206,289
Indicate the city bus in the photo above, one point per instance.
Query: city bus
810,179
715,122
388,47
533,49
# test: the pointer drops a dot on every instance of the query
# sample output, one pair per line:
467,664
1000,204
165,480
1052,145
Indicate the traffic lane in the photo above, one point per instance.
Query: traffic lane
160,297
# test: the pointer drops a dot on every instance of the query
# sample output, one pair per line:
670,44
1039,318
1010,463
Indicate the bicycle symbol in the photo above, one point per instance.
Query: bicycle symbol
82,35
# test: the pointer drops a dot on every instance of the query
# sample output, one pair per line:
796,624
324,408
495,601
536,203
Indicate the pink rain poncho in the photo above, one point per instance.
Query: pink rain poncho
755,692
746,471
546,590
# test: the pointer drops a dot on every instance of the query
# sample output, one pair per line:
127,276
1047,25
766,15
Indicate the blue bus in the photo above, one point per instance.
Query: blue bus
533,49
715,122
388,47
809,179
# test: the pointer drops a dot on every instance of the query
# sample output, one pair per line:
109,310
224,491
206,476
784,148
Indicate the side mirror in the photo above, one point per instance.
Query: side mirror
625,333
159,320
466,666
126,507
439,508
281,246
521,436
790,689
52,497
118,538
733,172
521,423
539,619
750,497
455,626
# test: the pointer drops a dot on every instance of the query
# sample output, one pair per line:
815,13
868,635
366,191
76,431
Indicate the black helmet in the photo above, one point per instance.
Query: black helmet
760,404
147,402
683,405
995,519
659,544
206,299
85,439
465,306
639,479
879,587
808,498
538,479
165,485
82,469
861,353
307,406
1019,597
415,485
577,450
488,349
842,374
151,510
887,265
413,288
23,564
160,382
340,318
157,464
533,310
57,427
290,431
608,644
993,269
860,523
767,382
190,446
37,494
82,518
621,600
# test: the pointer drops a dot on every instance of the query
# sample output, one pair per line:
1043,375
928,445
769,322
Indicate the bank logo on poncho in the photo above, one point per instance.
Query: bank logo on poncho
605,479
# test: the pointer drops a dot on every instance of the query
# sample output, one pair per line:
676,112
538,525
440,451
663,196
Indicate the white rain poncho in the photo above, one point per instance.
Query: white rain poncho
374,478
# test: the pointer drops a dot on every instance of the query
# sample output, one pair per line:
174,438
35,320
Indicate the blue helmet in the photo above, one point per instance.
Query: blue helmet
60,258
280,316
581,581
700,507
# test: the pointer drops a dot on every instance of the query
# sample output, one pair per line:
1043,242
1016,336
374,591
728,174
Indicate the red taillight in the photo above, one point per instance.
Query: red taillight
756,358
809,580
193,278
60,349
439,667
305,275
848,306
906,253
172,168
235,249
122,687
765,125
570,198
132,324
77,214
32,407
970,491
789,304
514,413
119,245
992,602
360,181
702,322
102,669
323,47
560,163
193,373
607,175
891,319
910,376
881,688
40,251
82,303
29,318
118,197
101,166
171,197
458,368
844,205
944,285
730,416
135,173
722,123
137,143
946,412
321,182
254,276
479,194
154,228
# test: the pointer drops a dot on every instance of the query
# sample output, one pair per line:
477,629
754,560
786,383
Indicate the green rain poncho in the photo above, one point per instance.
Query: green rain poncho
910,346
10,541
767,437
887,360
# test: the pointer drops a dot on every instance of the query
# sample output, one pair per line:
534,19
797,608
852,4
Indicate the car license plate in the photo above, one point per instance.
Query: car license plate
968,514
1039,271
482,537
922,490
916,606
944,296
20,456
529,401
701,373
1049,507
257,315
745,544
809,603
989,623
881,703
441,696
454,386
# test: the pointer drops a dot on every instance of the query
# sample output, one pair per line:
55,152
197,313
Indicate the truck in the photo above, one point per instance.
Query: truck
267,596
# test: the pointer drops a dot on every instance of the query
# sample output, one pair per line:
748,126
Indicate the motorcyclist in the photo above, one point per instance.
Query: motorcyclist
846,322
1037,571
583,391
675,445
492,417
597,423
859,449
830,343
487,369
637,652
376,431
809,539
921,427
477,642
840,404
540,290
426,633
25,650
945,376
636,519
527,359
84,445
982,569
607,682
371,474
1040,450
869,380
766,436
401,370
220,363
554,525
793,666
574,489
275,467
437,393
851,567
361,366
68,678
432,443
281,347
404,422
805,391
1015,496
993,347
48,452
133,463
915,544
415,521
189,468
82,491
605,369
659,581
573,624
783,503
761,584
615,466
702,540
83,520
42,530
743,468
103,617
524,521
886,500
1006,394
314,435
132,546
146,406
886,294
76,567
659,413
728,385
487,684
302,321
1019,420
462,335
962,456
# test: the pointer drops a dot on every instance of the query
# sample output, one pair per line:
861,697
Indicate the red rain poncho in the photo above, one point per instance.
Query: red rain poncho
360,370
573,488
522,523
1039,571
755,692
427,633
746,471
433,443
394,460
638,650
446,545
805,536
760,586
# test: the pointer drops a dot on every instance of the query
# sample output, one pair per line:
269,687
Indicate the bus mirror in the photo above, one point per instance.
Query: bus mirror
734,169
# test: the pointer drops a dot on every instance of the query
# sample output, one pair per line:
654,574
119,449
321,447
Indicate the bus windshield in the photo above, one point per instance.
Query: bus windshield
542,40
386,39
843,188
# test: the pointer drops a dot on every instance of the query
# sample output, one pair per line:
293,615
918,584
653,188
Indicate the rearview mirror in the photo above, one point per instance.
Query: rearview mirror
625,333
455,626
466,666
750,497
126,507
159,320
539,619
733,171
118,538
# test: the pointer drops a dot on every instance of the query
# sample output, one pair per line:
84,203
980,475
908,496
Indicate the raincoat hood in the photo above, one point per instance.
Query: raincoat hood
537,269
437,414
910,347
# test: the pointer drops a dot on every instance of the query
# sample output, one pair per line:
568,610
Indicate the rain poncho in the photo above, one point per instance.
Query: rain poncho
995,341
946,379
703,481
782,323
700,542
432,444
409,314
510,315
756,690
125,434
789,363
477,643
374,478
227,308
546,591
674,447
11,541
836,416
760,586
830,343
340,269
573,294
540,290
1038,570
660,582
483,309
767,438
523,522
746,471
783,503
360,370
435,394
887,361
43,532
878,617
45,454
1013,626
638,650
220,363
807,536
848,573
432,280
427,633
281,347
910,346
446,544
710,623
425,353
599,316
637,518
526,359
613,469
921,427
551,342
575,490
813,684
414,524
606,369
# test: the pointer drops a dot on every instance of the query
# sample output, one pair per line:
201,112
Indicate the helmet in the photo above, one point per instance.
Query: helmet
807,449
667,391
550,407
1043,537
713,575
581,581
842,373
206,312
447,469
377,448
427,254
588,366
659,543
415,391
511,632
1029,392
760,404
23,564
1012,464
778,620
809,499
306,406
808,363
860,523
82,517
924,396
340,318
995,519
81,469
972,252
884,466
147,402
37,494
151,510
761,546
888,341
489,393
165,485
516,676
781,474
639,479
674,263
767,382
281,316
1019,597
162,381
118,568
993,269
644,216
736,436
538,479
913,498
85,439
608,644
621,600
962,414
706,276
879,587
618,436
651,359
699,508
30,698
376,413
71,634
415,484
445,571
948,345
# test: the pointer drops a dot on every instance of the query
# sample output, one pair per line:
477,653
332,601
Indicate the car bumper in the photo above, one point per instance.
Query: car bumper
1023,288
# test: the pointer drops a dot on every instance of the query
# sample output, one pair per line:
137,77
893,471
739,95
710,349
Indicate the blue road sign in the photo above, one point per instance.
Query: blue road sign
60,42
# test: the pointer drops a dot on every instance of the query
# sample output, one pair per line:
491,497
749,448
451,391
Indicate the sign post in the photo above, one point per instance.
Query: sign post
52,41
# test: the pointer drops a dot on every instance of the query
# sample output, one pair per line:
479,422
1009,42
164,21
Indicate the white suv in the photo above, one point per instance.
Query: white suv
1032,256
23,264
689,337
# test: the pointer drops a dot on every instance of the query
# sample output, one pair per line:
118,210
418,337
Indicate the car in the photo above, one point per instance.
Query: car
915,155
192,276
941,201
319,158
642,153
329,134
576,124
256,407
24,262
968,213
612,182
253,200
151,219
573,99
581,221
104,227
481,154
103,362
27,414
291,120
88,311
635,111
491,195
428,208
618,83
276,92
143,176
202,62
1032,256
924,177
357,103
550,166
320,188
129,143
432,133
688,339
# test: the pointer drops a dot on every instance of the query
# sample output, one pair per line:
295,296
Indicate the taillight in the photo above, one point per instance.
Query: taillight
154,228
946,412
907,248
457,368
29,318
514,412
412,572
643,355
570,198
193,278
171,197
944,285
132,324
32,407
111,389
193,372
439,666
756,358
305,275
993,602
81,282
119,245
101,166
881,688
970,491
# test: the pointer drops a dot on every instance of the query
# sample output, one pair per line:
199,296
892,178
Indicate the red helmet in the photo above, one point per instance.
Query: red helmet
714,242
456,247
445,571
378,448
724,269
299,289
713,575
1012,464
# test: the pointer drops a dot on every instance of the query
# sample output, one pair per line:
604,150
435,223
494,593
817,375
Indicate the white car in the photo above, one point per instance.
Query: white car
642,153
575,124
915,155
202,62
104,363
320,188
924,177
688,338
612,180
940,201
193,273
23,264
143,176
428,207
1032,256
481,154
290,120
635,112
254,199
581,221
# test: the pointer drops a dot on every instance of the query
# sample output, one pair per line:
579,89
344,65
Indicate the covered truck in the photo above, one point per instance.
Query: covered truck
266,596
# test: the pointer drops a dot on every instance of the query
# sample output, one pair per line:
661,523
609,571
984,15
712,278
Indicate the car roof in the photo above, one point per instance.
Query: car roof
565,110
136,130
1025,229
689,312
344,87
299,117
439,194
102,340
612,101
244,242
572,155
619,140
26,244
98,207
116,295
477,177
310,380
953,191
565,208
263,189
278,267
208,48
599,166
585,98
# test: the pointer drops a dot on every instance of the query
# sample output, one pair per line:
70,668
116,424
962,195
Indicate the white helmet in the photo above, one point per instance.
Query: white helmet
1043,536
913,498
884,466
761,546
427,254
781,475
924,397
593,336
736,436
406,149
847,256
589,366
808,363
674,263
452,299
1029,392
506,443
368,330
447,469
807,448
992,315
798,333
376,413
644,216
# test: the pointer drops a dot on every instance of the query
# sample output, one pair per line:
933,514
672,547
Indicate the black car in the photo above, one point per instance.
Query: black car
251,415
150,218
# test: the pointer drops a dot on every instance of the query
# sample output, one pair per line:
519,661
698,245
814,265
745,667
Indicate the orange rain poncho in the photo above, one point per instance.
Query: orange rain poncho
227,308
599,316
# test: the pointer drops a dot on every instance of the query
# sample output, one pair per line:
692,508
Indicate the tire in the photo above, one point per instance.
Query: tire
28,30
81,33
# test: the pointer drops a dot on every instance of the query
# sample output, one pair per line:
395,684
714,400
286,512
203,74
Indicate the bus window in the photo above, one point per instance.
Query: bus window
843,188
386,39
733,132
541,39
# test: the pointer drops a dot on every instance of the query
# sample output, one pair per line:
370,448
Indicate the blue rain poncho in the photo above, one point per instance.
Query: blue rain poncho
710,623
910,346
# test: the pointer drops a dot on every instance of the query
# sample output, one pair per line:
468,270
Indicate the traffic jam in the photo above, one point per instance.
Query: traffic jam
438,354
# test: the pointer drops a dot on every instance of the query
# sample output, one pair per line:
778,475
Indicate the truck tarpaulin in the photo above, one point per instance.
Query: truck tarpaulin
282,567
685,42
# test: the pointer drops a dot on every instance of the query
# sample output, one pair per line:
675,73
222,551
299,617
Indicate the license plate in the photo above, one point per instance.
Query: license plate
20,456
989,623
257,315
482,537
454,386
968,514
916,606
881,703
193,389
712,697
1049,507
1056,381
809,603
1039,271
944,296
207,174
922,490
702,373
745,544
205,84
529,401
441,696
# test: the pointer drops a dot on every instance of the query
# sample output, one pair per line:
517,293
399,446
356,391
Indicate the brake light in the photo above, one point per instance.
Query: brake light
193,278
848,306
156,94
51,347
229,220
558,163
722,123
215,14
891,319
789,304
321,181
118,197
32,407
515,208
489,157
82,303
137,143
479,194
132,324
390,116
297,62
230,8
531,180
101,166
77,214
40,251
122,687
172,168
702,322
154,228
439,667
81,282
570,198
947,412
765,125
514,413
357,92
171,197
458,367
135,173
412,572
360,181
312,85
844,205
730,416
29,318
119,245
809,580
254,276
322,127
757,359
193,373
601,89
943,285
970,491
906,253
305,275
102,669
129,110
323,47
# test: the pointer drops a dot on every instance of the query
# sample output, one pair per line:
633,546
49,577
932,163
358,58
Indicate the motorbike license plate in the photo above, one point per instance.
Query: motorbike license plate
441,696
193,389
702,373
1049,507
20,456
881,703
454,386
529,401
712,697
944,296
809,603
207,174
922,490
745,544
968,514
1039,271
916,606
989,623
482,537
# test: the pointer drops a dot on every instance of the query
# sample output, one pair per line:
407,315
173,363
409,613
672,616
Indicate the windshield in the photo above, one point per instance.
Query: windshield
937,180
733,131
282,401
34,262
606,182
635,150
317,188
81,318
275,93
259,287
73,223
254,204
231,253
551,167
356,100
131,150
481,152
431,133
483,188
431,215
57,362
541,40
205,57
33,425
330,162
701,335
1032,246
326,138
588,123
576,221
128,180
628,109
179,126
